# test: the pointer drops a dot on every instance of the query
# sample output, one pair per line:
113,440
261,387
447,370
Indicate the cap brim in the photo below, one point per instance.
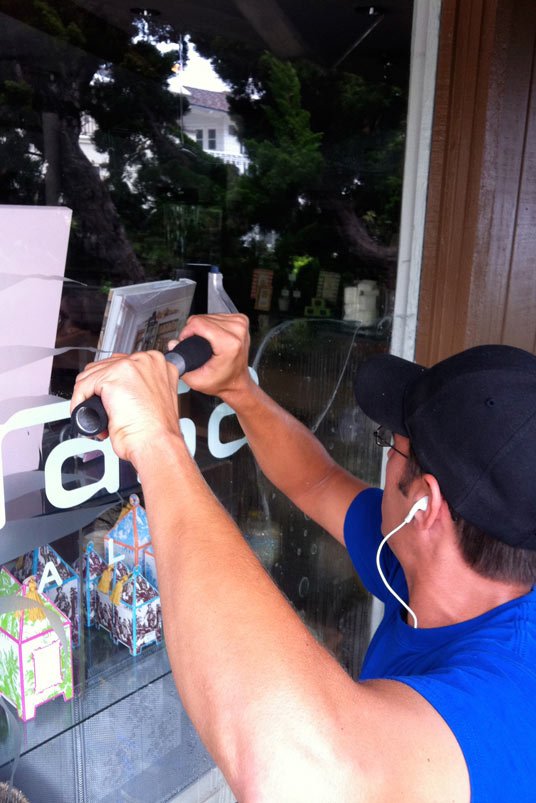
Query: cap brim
380,385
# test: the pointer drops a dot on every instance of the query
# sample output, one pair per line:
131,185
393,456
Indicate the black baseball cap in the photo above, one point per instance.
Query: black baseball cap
471,420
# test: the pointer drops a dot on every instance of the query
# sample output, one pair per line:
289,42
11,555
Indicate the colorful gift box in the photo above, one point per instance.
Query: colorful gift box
61,581
90,567
129,538
129,608
104,610
149,571
35,647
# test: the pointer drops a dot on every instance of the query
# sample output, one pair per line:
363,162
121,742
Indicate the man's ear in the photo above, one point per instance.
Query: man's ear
427,487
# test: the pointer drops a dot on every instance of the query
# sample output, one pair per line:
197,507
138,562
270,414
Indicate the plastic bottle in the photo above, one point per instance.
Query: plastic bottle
217,298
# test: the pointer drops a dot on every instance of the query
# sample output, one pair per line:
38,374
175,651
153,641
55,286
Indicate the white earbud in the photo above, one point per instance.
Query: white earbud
420,504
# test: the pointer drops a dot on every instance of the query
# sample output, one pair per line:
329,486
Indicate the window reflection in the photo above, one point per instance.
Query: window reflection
285,172
284,168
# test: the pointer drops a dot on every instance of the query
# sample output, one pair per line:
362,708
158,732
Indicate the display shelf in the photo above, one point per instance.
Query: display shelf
142,748
105,674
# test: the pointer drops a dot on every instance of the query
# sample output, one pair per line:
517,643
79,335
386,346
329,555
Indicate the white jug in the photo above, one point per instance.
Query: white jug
361,302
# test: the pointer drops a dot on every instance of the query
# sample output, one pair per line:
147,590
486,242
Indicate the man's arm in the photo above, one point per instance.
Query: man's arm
290,456
280,716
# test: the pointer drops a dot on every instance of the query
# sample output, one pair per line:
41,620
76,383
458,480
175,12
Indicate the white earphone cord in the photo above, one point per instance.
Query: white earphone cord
384,581
420,504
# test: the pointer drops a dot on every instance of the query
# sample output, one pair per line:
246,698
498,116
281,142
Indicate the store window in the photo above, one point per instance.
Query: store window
103,190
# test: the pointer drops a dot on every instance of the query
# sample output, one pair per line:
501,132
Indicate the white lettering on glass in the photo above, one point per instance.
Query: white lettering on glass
215,446
64,498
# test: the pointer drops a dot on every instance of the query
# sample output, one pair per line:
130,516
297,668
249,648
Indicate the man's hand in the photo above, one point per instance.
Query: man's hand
139,394
226,373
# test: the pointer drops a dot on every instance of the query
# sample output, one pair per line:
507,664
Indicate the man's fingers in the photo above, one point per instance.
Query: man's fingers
120,368
216,327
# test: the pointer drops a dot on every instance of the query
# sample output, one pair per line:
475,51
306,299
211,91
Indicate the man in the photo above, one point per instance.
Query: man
445,711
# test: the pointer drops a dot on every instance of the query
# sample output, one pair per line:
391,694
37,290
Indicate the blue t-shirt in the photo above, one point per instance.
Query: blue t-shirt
480,675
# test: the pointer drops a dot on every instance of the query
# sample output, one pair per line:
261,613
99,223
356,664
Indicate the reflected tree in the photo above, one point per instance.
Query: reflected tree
45,86
157,174
326,150
61,66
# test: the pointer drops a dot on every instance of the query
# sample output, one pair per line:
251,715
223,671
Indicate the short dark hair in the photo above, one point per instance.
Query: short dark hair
485,554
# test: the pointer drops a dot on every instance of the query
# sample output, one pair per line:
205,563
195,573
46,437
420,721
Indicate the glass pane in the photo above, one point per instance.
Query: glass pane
147,146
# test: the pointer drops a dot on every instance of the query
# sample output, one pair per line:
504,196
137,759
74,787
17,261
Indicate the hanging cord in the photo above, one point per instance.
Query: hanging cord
268,336
281,328
338,383
386,584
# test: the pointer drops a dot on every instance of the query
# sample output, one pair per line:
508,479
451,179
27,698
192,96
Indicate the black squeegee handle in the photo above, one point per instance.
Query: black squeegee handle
89,418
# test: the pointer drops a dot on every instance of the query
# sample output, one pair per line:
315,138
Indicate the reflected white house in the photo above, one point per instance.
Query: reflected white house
207,122
88,126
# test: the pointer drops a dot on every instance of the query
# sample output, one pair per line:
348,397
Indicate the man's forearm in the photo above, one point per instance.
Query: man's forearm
293,459
287,452
241,657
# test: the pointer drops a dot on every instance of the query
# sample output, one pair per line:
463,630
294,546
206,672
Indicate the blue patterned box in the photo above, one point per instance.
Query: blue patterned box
129,538
128,606
90,567
61,584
